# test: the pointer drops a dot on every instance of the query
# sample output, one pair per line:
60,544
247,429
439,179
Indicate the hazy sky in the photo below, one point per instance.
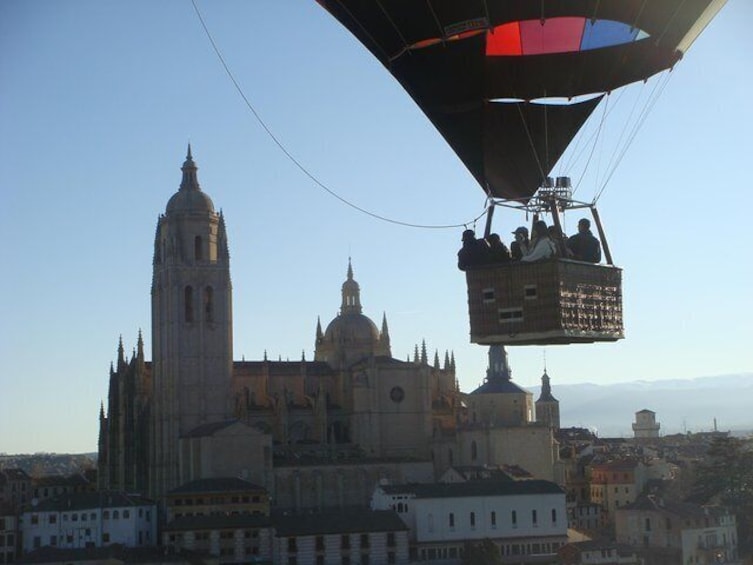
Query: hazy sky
99,98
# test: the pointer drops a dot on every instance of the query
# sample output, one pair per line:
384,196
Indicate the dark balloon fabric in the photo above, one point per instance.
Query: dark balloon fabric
474,66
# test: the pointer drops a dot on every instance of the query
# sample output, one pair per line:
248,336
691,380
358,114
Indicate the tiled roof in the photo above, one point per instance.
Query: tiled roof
15,474
281,368
344,521
115,553
475,488
89,501
681,509
219,484
235,521
499,386
206,430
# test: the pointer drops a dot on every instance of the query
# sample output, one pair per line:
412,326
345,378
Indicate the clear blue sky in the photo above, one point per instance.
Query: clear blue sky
98,99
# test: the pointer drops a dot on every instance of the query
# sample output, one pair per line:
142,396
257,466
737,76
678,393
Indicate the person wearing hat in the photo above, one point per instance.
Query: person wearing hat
584,246
472,251
520,246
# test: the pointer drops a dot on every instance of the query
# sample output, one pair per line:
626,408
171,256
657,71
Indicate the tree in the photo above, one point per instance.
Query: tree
485,552
726,477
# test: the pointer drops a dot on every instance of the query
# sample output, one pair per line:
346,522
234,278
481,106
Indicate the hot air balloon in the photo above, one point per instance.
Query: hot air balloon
483,72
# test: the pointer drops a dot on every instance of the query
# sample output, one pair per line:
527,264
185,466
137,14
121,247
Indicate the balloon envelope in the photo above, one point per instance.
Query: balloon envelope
475,66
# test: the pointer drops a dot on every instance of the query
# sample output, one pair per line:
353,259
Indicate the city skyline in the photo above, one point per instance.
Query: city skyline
101,100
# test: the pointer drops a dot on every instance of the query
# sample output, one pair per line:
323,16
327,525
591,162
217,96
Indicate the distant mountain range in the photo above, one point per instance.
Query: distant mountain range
681,405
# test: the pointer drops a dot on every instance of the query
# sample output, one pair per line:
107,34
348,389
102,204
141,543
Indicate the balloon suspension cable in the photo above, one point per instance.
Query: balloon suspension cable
295,161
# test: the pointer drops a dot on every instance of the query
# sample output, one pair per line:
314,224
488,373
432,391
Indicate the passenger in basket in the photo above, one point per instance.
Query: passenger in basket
542,246
497,251
560,242
472,252
519,247
584,245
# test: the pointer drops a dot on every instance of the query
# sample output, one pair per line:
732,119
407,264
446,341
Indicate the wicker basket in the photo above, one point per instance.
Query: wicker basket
557,301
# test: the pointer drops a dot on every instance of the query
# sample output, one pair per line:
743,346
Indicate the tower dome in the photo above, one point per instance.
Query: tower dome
189,197
351,325
351,335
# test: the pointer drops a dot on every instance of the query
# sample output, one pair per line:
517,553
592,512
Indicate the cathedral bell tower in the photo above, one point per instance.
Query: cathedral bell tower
191,324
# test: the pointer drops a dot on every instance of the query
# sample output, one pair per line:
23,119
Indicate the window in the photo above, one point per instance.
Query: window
320,543
473,519
365,540
514,519
510,314
53,541
209,304
430,526
292,545
126,514
391,559
530,292
648,524
487,295
197,248
345,541
37,542
188,303
53,518
105,537
554,515
493,519
74,517
452,520
34,519
391,539
474,451
449,456
534,517
115,515
92,516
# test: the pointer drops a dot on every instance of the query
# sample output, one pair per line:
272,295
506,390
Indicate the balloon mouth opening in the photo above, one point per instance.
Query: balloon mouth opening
550,100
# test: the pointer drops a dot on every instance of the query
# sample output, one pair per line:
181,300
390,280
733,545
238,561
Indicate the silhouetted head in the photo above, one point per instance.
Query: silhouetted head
468,235
584,224
540,229
521,231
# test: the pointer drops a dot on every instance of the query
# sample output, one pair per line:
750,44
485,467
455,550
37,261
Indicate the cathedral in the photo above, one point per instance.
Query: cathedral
314,433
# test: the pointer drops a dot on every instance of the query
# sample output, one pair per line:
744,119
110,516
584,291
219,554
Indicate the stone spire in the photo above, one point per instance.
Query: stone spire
121,354
424,359
385,334
546,390
446,360
190,179
499,369
351,294
436,359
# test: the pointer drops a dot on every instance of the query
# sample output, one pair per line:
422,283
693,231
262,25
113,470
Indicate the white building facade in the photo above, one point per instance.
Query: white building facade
90,520
526,519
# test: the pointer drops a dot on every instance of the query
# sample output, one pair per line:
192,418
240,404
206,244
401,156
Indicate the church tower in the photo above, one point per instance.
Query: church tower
191,324
547,407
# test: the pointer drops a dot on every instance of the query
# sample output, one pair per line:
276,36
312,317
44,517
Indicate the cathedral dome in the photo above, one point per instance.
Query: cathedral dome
189,197
190,201
352,327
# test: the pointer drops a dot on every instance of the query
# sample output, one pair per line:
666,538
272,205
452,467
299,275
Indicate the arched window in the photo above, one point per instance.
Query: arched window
188,302
474,451
197,248
209,304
